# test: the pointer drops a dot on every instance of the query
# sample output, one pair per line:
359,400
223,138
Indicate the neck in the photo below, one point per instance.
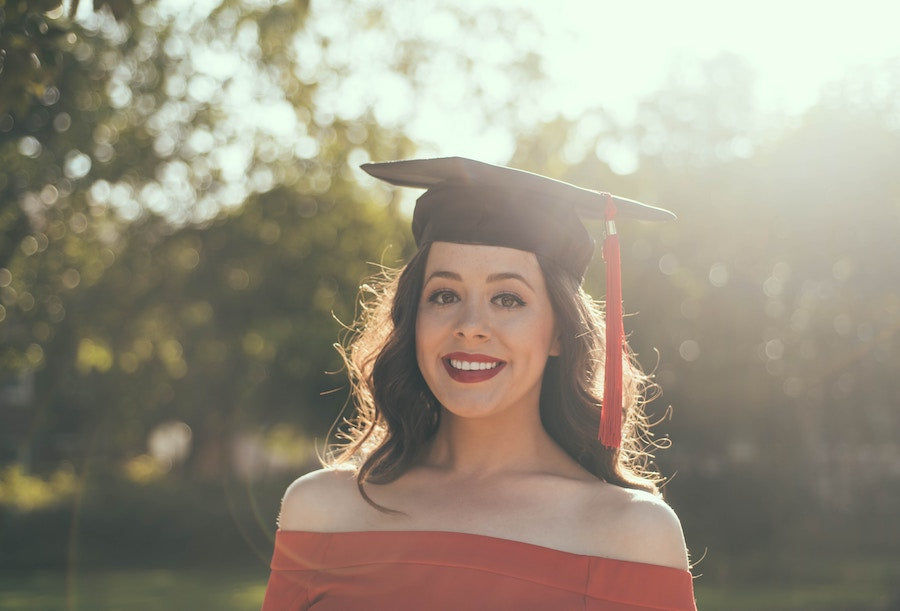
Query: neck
503,443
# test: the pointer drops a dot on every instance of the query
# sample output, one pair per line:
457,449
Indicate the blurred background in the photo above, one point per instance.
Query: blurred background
183,228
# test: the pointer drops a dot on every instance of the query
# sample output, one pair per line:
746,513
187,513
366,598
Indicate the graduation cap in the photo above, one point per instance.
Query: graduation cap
471,202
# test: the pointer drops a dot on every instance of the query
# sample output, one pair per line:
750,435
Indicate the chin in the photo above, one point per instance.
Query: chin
474,409
471,412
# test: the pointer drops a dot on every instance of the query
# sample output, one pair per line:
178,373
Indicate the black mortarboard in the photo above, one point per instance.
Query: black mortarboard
471,202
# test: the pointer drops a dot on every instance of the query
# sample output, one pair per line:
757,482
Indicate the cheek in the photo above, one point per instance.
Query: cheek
542,332
425,333
428,347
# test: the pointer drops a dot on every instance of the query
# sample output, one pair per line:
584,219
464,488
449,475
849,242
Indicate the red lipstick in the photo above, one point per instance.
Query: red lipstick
471,368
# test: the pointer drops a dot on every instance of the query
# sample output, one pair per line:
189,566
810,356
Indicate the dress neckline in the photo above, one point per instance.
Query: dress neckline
452,534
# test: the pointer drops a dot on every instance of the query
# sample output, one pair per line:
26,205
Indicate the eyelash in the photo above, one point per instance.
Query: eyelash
519,301
435,297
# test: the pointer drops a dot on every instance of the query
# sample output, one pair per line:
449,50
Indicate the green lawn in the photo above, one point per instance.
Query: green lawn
786,581
868,586
804,597
134,590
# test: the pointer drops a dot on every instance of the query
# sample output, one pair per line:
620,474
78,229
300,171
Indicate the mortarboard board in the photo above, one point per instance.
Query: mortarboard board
472,202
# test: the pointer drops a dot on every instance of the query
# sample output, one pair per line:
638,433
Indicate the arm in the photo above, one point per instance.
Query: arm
640,528
656,533
636,526
320,501
308,505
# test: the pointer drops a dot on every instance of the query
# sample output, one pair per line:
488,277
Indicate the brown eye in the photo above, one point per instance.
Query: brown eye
443,297
508,300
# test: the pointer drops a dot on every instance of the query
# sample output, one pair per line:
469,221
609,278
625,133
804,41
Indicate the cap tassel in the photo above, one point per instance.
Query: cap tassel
611,414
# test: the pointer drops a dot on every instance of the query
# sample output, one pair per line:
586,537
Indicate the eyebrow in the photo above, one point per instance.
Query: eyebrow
490,279
509,276
443,274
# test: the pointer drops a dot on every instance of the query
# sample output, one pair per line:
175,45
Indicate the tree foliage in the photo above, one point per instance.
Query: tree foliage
187,222
176,258
769,311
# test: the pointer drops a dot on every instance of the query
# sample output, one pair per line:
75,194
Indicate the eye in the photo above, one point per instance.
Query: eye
443,297
508,300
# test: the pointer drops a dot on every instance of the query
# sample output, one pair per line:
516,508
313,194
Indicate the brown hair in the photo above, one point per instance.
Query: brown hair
397,415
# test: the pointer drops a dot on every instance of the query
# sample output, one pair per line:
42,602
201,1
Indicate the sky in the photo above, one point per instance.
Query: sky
594,53
619,52
796,46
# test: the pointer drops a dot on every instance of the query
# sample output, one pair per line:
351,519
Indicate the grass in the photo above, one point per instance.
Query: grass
804,597
864,584
803,582
134,590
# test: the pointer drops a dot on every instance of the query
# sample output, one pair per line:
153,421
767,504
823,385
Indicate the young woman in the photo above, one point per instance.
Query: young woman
471,476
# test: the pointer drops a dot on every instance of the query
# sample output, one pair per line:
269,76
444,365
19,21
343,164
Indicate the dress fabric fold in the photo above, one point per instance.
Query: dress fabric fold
406,570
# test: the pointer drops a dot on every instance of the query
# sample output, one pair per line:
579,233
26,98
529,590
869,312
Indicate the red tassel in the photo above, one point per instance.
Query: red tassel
611,415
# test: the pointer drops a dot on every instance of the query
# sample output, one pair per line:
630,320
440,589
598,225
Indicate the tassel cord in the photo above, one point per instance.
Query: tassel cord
611,414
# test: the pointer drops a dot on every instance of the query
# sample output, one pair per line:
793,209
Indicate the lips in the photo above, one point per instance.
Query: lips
471,368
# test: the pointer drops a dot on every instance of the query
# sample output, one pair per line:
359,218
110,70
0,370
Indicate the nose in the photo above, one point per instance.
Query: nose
472,322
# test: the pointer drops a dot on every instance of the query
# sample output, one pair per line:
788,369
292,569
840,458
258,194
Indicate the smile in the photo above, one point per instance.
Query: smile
471,365
471,368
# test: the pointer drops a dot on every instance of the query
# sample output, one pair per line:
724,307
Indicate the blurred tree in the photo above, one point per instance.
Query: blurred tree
773,301
30,49
30,52
194,216
34,40
123,140
476,65
48,247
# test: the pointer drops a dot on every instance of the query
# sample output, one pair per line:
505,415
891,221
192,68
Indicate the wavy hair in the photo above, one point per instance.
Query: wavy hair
396,414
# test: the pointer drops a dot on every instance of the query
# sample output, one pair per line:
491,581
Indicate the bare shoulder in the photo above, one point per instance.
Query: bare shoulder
317,501
640,527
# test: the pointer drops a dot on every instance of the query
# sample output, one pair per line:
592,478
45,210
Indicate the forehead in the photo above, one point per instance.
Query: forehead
478,259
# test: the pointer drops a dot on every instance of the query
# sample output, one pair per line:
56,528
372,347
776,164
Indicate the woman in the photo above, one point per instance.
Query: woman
472,477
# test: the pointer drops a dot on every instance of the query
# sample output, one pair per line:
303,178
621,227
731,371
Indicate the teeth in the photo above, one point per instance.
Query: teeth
471,366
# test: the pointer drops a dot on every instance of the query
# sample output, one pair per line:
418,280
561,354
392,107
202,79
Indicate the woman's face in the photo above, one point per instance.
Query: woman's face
484,329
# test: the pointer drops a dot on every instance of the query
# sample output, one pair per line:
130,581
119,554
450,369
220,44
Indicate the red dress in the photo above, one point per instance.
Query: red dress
426,570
